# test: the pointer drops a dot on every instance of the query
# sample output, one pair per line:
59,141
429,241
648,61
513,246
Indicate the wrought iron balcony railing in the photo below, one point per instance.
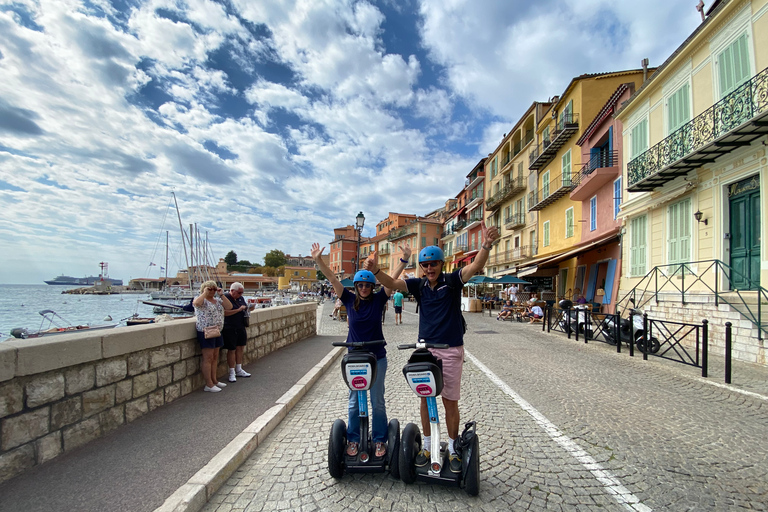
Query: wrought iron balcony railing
399,233
557,188
459,225
567,125
514,186
514,221
734,121
597,161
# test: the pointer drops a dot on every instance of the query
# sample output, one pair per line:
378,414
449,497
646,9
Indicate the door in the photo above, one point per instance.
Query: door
745,234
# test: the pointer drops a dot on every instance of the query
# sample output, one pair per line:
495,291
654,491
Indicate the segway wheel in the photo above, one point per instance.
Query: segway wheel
472,468
410,444
393,448
336,446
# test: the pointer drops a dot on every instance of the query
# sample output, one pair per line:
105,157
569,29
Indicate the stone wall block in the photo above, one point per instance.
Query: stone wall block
127,340
164,356
26,427
7,363
81,433
110,371
187,386
136,409
48,447
156,399
80,378
98,400
123,391
172,392
179,330
44,389
164,376
112,418
179,371
66,412
16,462
138,362
189,348
11,398
193,365
39,355
143,384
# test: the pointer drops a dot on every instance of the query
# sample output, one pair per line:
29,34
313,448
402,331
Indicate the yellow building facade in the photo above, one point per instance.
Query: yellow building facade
695,153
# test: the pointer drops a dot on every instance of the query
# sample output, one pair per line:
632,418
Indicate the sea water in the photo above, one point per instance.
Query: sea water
20,305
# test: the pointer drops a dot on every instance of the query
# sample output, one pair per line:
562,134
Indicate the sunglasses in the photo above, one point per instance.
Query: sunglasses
364,285
430,264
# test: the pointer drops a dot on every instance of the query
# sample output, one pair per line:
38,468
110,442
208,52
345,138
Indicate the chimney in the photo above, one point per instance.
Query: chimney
644,63
700,8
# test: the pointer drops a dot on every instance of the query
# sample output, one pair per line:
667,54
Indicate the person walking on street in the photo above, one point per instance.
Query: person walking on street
364,312
441,321
397,300
234,332
209,319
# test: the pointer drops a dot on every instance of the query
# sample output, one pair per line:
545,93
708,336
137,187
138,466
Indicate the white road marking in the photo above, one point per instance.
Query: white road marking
612,486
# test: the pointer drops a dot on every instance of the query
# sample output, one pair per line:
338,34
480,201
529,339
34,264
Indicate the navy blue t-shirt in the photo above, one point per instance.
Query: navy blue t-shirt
440,319
365,323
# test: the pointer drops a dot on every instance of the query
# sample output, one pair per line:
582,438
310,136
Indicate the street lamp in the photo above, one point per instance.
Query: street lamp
359,223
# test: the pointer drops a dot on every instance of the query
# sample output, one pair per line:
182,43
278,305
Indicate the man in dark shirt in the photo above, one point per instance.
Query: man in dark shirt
234,332
441,321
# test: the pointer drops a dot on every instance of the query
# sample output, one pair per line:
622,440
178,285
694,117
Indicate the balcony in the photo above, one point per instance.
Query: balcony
475,219
448,232
514,186
735,121
566,126
384,250
399,233
557,188
459,225
460,248
515,221
601,169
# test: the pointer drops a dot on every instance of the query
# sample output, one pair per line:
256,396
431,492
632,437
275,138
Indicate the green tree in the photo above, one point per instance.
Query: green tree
244,263
320,276
274,258
231,258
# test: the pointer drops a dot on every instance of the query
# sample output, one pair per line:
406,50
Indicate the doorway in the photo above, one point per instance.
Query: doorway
744,206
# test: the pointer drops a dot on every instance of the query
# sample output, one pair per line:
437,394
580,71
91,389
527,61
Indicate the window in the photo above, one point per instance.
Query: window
733,65
616,198
494,167
423,241
545,185
545,237
545,136
639,139
566,117
637,246
679,238
569,223
678,108
423,228
593,213
566,168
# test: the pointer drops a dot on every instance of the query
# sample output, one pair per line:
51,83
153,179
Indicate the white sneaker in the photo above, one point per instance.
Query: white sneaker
212,389
232,377
242,373
221,384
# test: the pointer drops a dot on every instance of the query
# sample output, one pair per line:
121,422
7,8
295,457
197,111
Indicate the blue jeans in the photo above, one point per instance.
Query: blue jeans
377,411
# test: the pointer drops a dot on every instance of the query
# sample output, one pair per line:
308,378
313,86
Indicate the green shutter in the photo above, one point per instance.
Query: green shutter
639,138
679,238
678,108
637,246
733,65
545,186
569,223
546,234
567,168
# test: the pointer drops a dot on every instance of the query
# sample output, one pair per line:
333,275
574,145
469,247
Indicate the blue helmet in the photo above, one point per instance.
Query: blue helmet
364,276
431,253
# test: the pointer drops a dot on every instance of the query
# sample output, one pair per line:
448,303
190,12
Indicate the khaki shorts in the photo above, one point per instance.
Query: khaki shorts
453,363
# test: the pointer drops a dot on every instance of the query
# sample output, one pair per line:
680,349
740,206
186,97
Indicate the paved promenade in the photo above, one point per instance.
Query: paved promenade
562,426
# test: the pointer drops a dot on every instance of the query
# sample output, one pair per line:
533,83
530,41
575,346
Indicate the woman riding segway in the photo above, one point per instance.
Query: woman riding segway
364,310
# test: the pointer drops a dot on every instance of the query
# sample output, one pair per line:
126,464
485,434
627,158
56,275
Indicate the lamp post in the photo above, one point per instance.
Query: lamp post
359,223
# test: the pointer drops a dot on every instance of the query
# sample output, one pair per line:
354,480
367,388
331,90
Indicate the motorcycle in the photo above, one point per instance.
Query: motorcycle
631,330
574,318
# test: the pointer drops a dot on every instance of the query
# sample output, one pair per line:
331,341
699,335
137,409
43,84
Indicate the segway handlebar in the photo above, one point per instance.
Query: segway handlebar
422,344
357,344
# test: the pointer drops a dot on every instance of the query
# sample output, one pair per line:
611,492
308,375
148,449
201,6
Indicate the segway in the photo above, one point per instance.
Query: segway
359,370
424,374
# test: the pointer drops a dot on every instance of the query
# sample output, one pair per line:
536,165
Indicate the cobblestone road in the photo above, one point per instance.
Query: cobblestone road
562,426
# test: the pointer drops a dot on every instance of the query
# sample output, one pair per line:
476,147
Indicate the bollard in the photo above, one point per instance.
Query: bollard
646,342
549,319
704,347
616,331
727,352
631,335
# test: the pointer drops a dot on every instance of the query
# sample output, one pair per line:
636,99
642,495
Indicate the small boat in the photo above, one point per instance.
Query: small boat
260,302
54,327
137,320
173,309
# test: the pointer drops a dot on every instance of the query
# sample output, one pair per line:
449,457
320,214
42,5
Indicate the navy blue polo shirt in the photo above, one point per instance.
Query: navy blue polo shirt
440,309
365,323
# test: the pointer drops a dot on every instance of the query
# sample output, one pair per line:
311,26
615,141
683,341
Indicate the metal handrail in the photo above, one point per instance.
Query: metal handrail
660,280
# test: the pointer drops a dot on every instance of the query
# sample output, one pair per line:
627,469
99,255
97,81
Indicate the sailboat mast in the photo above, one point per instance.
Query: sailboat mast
166,259
181,228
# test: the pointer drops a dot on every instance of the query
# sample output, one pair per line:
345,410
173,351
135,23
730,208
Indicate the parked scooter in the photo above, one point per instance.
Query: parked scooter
631,330
574,318
359,370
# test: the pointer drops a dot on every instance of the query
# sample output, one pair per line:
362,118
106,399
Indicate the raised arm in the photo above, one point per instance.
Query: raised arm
386,281
317,253
400,265
489,236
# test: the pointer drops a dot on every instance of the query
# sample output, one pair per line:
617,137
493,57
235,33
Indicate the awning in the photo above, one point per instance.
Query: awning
579,250
528,270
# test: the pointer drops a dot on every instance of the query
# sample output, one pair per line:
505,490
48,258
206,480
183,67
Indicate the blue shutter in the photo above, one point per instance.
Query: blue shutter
609,275
591,283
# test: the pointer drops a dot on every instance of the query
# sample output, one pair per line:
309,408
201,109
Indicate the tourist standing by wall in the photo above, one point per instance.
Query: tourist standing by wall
209,313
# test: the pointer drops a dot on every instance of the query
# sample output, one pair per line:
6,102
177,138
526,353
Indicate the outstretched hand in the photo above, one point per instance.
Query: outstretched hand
406,250
316,251
371,262
490,234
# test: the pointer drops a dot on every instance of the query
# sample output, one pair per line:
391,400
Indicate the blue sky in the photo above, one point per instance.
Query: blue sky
273,121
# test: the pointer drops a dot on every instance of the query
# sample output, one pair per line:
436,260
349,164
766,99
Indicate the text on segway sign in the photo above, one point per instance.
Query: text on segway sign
359,383
422,383
359,376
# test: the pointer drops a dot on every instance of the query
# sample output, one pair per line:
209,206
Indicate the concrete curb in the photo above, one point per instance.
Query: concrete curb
192,496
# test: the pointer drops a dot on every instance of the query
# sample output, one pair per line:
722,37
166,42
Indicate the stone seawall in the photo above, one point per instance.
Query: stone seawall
60,392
